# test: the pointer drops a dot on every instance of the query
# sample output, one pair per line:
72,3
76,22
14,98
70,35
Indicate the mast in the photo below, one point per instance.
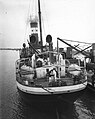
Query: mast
39,13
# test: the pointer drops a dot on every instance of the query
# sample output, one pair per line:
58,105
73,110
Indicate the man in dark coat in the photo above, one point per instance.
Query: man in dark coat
93,78
23,51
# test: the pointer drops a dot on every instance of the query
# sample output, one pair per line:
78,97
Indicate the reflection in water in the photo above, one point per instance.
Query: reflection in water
24,110
85,106
58,110
14,107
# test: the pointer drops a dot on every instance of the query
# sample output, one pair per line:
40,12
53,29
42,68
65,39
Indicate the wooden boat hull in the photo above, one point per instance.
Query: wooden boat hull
51,90
37,94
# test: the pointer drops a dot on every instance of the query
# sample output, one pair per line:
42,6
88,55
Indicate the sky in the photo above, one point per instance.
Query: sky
66,19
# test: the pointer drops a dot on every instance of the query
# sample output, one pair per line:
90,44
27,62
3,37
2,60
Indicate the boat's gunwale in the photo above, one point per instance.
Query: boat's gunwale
51,90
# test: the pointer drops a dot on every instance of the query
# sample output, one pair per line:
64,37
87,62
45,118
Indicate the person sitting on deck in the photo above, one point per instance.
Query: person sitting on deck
26,52
53,75
39,62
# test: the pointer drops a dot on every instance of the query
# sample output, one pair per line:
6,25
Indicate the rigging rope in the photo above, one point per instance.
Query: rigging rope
78,41
43,26
28,12
45,13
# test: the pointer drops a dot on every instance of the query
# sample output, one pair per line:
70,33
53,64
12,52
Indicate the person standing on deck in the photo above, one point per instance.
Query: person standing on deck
23,51
93,78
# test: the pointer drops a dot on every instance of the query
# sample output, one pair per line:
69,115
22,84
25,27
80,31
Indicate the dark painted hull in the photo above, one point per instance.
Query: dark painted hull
53,98
90,87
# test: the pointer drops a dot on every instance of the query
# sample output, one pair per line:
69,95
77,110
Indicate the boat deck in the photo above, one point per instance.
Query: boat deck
65,81
54,75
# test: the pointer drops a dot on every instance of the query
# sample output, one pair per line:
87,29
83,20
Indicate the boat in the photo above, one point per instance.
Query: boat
44,73
90,68
90,83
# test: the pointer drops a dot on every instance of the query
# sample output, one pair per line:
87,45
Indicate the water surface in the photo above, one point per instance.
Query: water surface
13,107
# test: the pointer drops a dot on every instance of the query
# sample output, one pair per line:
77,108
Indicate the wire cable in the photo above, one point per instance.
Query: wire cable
28,12
77,41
